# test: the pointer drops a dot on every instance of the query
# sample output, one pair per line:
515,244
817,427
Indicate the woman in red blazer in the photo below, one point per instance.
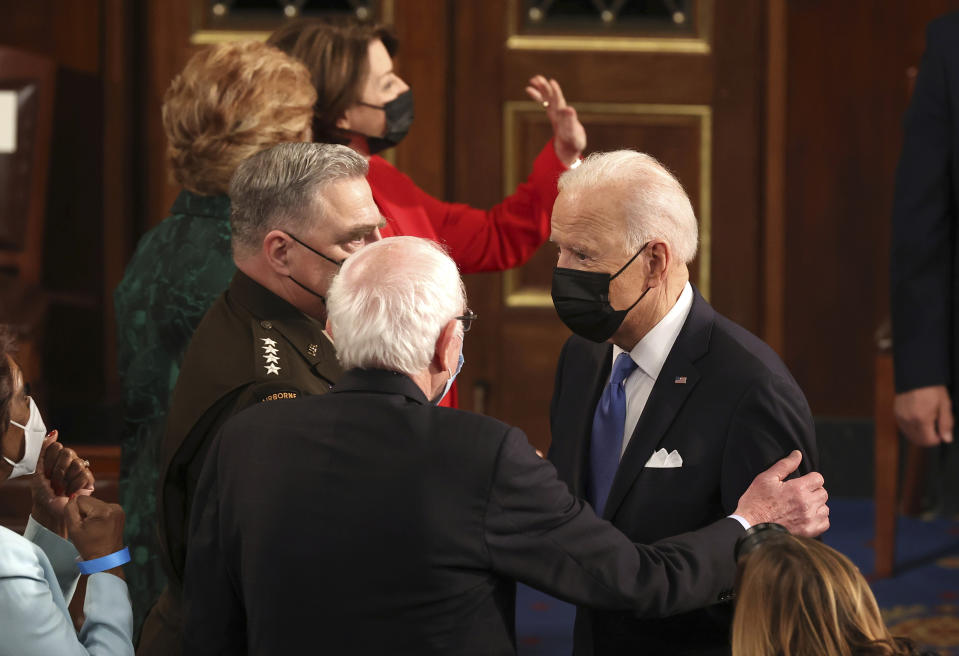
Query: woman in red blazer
361,102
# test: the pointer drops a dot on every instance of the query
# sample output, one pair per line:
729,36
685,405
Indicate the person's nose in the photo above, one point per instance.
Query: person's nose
566,261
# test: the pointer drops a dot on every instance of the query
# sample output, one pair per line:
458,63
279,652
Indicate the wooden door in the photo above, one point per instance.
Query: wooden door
684,85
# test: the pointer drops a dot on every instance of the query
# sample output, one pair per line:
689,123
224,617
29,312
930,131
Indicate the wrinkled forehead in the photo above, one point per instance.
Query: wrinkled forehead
346,204
594,217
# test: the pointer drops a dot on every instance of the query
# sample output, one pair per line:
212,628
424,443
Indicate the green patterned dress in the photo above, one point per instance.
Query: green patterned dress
180,267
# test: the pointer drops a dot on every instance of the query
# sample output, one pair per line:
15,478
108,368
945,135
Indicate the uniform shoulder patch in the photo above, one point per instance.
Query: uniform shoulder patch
279,395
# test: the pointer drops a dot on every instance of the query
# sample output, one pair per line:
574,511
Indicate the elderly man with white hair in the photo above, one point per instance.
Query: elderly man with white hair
372,521
663,410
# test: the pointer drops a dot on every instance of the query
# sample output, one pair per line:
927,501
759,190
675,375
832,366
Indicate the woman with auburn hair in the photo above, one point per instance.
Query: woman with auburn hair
69,533
229,102
363,103
799,597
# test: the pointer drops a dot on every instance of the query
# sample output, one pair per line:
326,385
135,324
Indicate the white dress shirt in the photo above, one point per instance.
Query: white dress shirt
650,354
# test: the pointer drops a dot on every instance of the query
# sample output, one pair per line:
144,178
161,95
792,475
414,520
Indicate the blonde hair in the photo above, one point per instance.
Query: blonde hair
230,101
799,597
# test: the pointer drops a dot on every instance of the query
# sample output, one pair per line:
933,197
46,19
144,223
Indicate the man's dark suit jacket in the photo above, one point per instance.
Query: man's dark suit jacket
924,261
369,521
736,413
924,267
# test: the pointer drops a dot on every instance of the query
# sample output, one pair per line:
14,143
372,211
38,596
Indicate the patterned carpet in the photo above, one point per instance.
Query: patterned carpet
921,601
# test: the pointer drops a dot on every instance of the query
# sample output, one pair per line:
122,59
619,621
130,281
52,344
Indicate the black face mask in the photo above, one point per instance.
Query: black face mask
399,118
328,259
581,299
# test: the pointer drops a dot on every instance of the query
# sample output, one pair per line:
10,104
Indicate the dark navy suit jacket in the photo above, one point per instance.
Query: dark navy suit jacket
923,263
369,521
737,411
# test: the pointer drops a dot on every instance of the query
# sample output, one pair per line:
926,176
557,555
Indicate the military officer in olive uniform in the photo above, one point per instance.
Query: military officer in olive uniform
298,210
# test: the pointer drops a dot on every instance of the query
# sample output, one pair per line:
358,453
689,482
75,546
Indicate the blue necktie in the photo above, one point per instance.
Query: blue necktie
606,444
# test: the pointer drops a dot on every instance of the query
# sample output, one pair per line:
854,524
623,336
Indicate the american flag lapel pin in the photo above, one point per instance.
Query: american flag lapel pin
680,380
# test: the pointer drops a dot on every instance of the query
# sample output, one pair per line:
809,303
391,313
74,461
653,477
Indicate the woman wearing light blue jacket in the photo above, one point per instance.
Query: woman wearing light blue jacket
39,570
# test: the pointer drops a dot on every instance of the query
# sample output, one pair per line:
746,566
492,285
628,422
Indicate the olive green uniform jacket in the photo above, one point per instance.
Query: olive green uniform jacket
251,347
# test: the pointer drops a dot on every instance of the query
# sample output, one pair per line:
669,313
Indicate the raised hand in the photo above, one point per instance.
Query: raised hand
569,135
798,504
95,527
61,474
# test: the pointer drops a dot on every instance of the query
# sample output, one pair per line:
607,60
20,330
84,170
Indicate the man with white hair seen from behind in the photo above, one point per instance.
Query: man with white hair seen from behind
372,521
663,410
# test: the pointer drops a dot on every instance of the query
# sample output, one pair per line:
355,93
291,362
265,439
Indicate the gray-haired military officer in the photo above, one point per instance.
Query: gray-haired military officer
298,210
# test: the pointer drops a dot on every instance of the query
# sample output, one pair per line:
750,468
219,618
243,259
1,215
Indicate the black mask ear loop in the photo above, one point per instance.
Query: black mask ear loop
307,289
623,268
310,248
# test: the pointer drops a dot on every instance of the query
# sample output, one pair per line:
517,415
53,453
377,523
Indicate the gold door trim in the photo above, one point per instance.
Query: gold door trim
210,37
516,296
698,45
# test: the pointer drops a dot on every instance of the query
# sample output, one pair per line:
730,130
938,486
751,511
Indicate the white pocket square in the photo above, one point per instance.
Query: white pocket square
662,460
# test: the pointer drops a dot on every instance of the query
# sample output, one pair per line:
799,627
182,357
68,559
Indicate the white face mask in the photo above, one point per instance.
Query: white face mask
449,383
34,431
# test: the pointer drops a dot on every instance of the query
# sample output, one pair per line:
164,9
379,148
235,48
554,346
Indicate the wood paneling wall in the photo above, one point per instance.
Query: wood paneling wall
834,87
847,89
89,214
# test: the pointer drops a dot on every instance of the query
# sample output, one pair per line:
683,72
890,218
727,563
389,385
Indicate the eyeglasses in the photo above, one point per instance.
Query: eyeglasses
468,319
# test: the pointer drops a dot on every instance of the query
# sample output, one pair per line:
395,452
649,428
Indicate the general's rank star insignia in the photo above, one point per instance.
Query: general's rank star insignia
271,356
312,350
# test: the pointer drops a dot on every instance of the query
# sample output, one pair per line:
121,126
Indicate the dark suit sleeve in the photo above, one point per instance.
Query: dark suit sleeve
214,619
923,224
771,419
538,533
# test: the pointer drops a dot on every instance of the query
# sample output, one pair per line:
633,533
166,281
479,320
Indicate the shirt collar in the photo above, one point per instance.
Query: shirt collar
651,351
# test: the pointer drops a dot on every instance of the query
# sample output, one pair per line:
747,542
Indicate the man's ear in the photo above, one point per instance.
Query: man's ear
444,357
659,257
276,251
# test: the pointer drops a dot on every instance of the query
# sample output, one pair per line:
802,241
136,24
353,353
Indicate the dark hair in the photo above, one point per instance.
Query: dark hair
7,349
336,52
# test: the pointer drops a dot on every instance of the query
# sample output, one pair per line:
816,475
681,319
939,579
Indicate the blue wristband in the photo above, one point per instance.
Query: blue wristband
110,561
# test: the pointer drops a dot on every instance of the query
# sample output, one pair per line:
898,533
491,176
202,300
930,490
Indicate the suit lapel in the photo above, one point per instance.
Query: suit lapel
665,400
